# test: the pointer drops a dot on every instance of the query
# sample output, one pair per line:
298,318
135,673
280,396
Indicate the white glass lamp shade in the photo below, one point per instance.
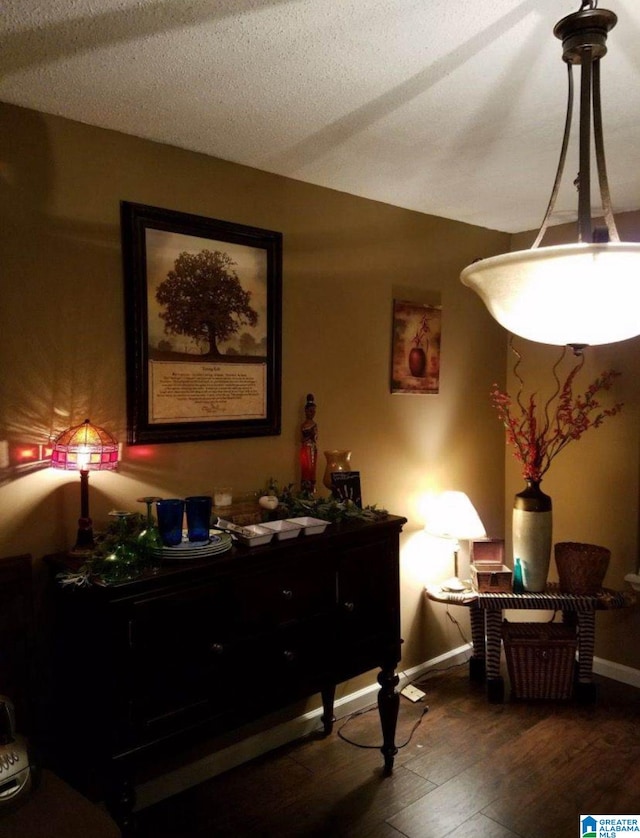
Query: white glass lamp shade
575,294
452,515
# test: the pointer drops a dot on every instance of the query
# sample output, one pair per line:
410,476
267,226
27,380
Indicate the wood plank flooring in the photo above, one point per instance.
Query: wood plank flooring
470,769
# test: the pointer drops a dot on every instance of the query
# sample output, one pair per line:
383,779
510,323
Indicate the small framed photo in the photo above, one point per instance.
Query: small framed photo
345,485
203,326
415,349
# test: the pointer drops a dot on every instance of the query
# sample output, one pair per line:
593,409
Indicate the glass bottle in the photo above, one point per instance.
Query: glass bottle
122,563
518,584
149,540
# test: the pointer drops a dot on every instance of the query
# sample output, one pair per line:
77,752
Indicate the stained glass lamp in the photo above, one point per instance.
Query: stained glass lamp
85,448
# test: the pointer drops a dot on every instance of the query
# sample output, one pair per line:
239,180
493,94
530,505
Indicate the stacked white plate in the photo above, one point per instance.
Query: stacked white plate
217,543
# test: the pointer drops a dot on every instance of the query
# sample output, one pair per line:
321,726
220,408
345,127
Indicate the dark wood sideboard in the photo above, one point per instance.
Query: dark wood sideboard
150,667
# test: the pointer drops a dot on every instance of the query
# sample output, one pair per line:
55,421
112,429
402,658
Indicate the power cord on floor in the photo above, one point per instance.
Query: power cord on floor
350,718
424,676
457,625
436,670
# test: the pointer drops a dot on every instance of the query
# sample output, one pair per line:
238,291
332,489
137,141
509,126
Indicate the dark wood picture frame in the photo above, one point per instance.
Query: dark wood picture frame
203,359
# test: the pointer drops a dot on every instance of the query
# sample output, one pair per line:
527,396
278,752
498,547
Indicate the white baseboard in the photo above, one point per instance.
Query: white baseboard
258,744
617,671
254,746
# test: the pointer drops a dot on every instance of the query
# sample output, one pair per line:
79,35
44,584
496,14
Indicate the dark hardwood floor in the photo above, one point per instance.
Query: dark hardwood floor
470,768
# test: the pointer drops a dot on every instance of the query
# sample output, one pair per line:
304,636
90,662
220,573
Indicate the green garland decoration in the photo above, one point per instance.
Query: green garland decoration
106,541
298,504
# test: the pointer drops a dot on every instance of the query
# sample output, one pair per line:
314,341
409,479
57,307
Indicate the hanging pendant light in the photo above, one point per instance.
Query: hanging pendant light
585,293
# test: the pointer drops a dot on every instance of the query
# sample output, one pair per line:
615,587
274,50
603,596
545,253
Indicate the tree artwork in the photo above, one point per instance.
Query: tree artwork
203,299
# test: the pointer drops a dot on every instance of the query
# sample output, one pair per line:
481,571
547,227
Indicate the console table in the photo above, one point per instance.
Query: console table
146,668
486,628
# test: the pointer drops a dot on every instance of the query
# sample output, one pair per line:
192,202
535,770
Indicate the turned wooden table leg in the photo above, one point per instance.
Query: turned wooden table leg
388,706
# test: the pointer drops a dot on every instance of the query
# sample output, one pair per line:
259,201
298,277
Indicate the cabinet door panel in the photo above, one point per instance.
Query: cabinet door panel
182,655
368,596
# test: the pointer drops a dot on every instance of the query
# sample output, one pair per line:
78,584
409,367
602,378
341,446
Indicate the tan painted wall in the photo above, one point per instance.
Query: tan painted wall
62,341
62,357
594,482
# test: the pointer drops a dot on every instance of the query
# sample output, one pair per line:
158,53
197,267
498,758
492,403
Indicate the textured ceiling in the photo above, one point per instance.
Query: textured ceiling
448,107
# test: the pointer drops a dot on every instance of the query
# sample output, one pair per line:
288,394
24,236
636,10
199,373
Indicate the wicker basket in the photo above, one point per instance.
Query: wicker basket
581,567
540,659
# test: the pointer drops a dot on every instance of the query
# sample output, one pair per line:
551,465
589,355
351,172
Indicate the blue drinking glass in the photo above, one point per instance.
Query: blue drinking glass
170,514
198,517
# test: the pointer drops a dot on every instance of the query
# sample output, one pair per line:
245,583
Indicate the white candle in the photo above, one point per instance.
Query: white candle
222,497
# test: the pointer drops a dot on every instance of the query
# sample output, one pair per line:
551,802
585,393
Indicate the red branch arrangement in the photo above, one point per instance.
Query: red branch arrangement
422,330
565,416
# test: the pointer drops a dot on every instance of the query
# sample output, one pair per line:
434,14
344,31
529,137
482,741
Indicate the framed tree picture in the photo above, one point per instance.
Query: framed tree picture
203,326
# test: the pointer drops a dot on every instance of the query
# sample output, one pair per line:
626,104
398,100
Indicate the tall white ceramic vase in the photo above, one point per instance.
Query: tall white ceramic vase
532,535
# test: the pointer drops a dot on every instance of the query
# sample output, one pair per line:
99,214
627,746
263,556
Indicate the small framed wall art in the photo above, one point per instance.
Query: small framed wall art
203,326
415,349
345,485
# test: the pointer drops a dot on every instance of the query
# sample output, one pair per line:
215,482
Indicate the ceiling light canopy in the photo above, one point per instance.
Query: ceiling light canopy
586,293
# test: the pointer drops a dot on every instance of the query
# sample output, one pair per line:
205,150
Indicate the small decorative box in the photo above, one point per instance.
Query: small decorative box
488,571
491,578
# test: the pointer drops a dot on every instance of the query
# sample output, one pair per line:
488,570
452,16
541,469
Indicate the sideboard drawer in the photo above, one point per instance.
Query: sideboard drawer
291,591
291,662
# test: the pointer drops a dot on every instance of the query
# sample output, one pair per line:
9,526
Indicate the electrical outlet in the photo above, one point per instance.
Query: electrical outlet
412,693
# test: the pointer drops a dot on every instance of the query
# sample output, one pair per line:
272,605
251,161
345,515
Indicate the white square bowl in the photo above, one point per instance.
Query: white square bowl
253,535
310,526
283,529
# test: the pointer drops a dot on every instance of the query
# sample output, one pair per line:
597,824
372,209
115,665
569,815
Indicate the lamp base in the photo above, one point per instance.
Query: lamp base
78,556
84,539
455,586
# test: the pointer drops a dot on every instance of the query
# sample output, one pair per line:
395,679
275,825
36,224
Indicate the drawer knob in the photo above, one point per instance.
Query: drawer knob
217,648
289,656
287,594
348,606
